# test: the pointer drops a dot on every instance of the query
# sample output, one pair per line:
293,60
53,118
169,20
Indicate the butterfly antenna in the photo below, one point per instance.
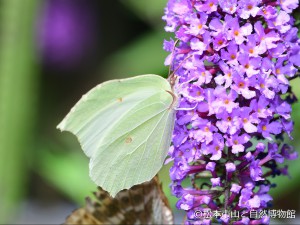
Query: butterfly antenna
172,57
172,77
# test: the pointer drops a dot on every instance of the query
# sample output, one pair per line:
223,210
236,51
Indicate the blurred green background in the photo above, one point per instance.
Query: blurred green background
51,53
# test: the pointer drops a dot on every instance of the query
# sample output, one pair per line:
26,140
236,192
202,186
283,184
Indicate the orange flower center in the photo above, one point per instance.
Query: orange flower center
241,85
264,11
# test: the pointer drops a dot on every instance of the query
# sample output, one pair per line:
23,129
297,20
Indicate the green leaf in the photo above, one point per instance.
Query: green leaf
125,127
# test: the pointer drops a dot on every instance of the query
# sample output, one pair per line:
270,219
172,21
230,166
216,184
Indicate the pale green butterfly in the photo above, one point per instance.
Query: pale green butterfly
125,128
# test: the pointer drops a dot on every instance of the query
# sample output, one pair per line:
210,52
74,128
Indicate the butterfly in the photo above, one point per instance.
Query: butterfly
145,203
125,128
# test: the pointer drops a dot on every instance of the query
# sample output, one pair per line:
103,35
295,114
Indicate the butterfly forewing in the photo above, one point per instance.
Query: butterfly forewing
125,127
142,204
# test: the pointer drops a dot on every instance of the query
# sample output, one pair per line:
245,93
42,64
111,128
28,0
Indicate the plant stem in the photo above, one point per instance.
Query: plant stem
17,99
227,184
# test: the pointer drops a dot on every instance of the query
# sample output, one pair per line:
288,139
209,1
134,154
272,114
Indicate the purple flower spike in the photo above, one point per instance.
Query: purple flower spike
236,59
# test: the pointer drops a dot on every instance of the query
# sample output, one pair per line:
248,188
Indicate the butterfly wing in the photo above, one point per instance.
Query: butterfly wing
141,204
125,127
161,210
82,216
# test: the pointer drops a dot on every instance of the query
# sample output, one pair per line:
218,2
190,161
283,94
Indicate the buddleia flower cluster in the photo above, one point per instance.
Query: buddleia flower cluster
235,59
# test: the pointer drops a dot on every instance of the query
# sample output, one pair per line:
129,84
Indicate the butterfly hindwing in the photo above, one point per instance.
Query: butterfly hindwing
142,204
